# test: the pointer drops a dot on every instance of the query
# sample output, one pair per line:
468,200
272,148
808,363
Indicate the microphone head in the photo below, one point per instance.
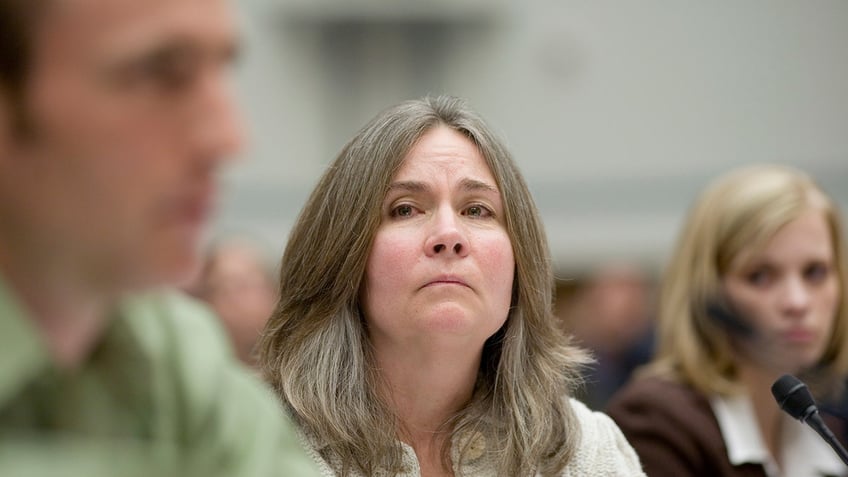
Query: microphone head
793,397
720,311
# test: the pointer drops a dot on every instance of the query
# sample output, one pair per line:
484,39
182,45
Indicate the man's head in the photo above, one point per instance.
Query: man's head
126,116
237,283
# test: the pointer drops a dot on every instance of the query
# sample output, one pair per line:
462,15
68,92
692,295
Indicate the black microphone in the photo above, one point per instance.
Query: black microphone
721,312
793,397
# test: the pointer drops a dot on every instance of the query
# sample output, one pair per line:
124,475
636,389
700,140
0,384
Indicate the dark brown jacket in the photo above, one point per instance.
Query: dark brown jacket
674,431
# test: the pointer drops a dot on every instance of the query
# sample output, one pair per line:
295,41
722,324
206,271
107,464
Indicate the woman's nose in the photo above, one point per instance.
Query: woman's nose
796,295
447,235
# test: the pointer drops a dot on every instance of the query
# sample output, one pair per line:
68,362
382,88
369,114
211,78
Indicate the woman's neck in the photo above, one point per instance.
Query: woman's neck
427,387
767,412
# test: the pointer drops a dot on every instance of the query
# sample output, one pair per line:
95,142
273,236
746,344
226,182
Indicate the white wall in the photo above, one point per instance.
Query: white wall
618,112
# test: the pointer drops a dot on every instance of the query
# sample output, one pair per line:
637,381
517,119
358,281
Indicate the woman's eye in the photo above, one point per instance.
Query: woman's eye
477,211
816,272
760,278
403,210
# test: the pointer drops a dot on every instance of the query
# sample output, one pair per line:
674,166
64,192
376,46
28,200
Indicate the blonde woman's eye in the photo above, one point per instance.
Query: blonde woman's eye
816,272
762,277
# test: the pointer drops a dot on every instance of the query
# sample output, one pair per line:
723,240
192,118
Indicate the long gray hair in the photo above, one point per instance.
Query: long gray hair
315,349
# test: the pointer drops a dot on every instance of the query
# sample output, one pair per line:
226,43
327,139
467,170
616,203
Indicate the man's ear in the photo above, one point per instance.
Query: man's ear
15,132
6,124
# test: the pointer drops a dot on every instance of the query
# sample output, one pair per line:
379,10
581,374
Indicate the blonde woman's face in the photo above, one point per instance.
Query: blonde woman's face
441,267
789,293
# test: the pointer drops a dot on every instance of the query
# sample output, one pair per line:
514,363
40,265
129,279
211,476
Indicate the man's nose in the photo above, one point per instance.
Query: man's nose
218,131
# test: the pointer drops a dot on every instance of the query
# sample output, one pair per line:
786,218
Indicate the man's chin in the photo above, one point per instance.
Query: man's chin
175,266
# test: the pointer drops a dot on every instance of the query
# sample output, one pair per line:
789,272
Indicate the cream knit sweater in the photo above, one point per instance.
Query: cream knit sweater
603,452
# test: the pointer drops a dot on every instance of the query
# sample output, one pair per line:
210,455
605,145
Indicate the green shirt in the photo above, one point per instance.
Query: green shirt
161,395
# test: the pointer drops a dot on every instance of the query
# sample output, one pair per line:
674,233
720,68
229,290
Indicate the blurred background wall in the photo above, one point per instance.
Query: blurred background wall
617,112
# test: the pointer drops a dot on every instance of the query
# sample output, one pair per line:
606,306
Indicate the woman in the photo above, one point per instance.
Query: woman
752,291
414,333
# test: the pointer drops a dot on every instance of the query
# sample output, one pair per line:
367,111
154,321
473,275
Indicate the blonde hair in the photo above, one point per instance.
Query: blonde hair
741,210
315,350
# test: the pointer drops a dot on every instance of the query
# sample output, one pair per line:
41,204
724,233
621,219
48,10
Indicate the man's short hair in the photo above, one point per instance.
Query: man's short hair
17,26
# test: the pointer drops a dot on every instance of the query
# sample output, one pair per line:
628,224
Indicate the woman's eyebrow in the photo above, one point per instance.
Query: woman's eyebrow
467,185
474,185
409,186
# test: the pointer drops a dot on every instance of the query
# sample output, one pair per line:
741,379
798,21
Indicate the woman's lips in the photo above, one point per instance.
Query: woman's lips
446,281
798,335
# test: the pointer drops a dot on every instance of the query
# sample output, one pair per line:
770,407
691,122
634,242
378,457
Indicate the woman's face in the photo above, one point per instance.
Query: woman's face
441,266
788,293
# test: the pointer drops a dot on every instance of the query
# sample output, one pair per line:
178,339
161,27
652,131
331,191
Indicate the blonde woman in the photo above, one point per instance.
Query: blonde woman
752,291
414,333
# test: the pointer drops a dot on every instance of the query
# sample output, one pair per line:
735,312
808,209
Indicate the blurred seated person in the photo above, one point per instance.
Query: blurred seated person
116,117
754,290
236,282
611,314
414,334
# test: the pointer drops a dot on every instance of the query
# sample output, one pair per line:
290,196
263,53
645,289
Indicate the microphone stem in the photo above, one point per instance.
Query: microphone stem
815,421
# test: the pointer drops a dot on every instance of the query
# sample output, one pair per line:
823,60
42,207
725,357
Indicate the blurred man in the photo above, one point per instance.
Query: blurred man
237,284
115,116
612,315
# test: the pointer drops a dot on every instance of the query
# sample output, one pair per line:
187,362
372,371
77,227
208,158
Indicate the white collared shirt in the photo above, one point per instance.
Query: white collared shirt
803,452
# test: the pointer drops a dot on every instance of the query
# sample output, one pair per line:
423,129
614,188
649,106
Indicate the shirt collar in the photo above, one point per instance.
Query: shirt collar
23,354
804,453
